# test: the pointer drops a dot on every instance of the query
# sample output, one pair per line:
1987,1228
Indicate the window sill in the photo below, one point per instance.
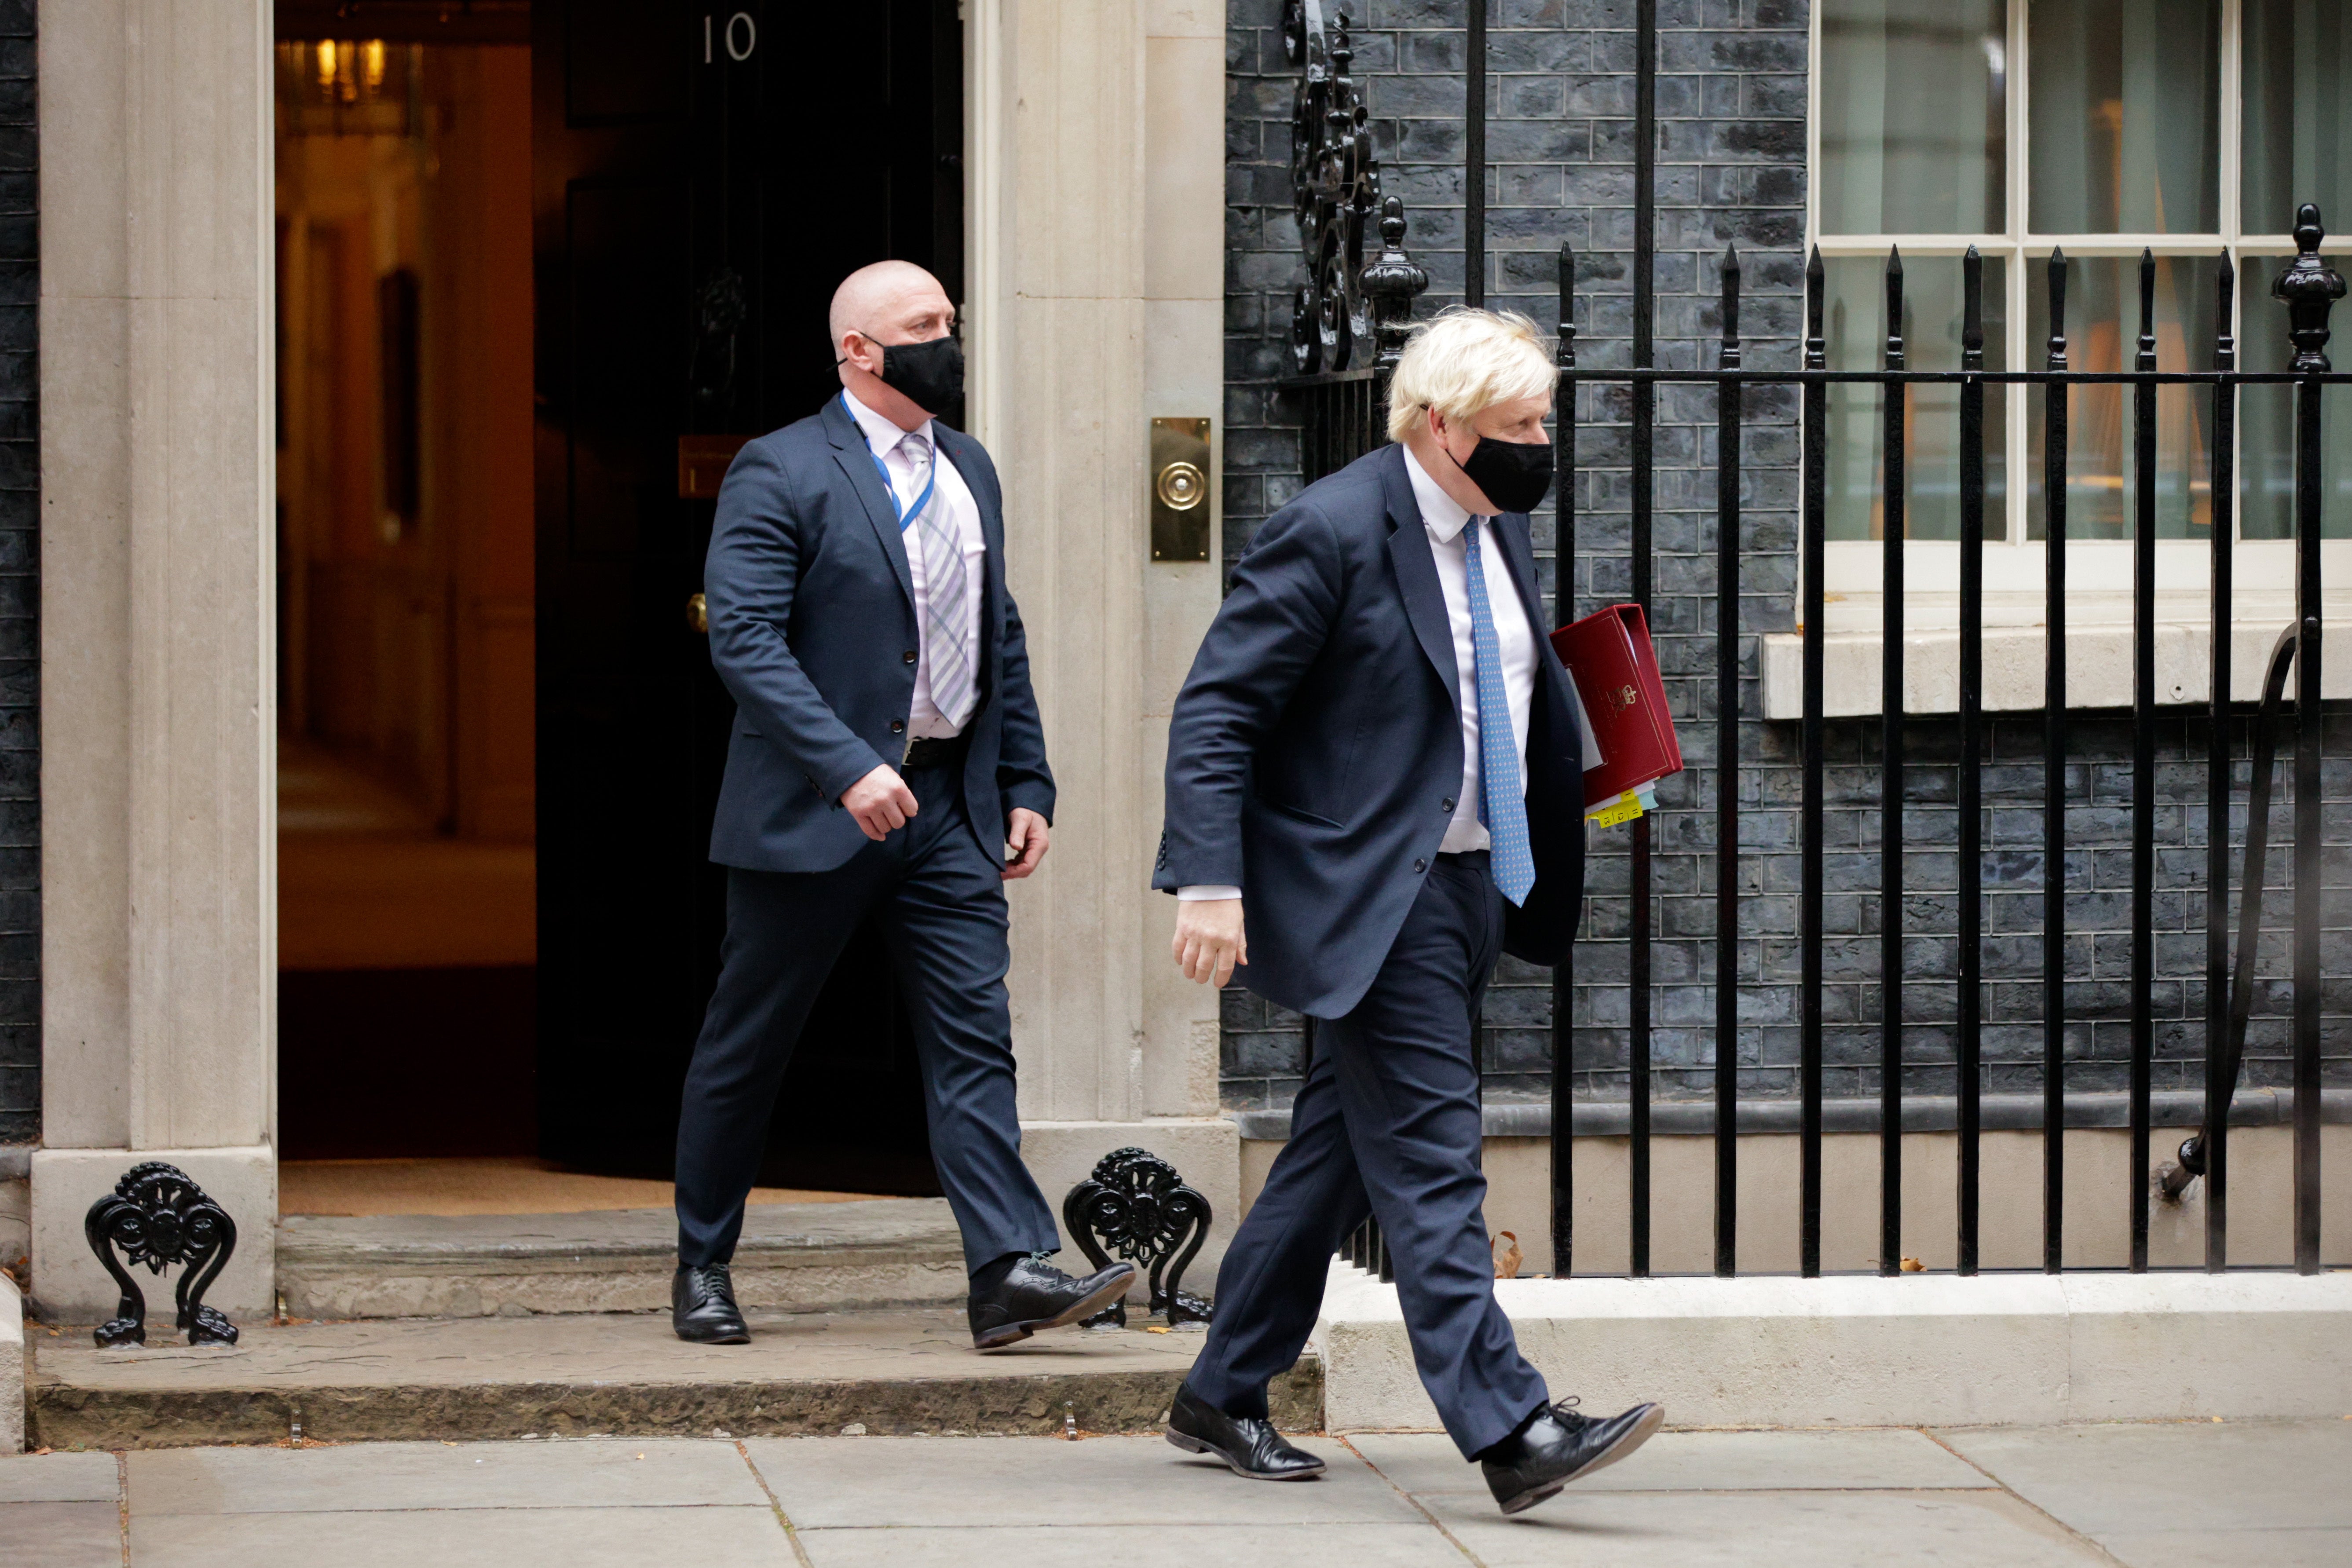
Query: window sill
2016,638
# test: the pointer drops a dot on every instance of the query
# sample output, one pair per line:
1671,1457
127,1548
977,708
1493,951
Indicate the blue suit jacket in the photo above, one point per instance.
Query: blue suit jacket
812,615
1316,748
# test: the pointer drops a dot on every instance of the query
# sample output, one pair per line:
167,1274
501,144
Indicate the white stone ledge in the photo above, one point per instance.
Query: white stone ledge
1862,1351
2099,667
13,1382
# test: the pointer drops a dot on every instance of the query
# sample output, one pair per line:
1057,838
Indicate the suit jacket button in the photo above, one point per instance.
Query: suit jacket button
897,726
1445,805
907,656
1421,865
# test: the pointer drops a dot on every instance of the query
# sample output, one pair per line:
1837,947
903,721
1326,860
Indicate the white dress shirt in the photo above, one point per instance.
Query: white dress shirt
1445,518
883,438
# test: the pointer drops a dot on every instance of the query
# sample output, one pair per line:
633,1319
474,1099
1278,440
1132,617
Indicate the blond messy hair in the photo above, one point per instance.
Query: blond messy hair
1463,361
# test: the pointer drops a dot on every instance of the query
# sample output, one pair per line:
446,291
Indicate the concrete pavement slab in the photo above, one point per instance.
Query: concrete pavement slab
2184,1476
1705,1461
2284,1547
60,1535
1140,1480
628,1473
465,1538
1400,1545
60,1477
1746,1529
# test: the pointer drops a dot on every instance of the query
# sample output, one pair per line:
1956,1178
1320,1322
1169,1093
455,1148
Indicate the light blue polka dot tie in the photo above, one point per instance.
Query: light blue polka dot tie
1504,810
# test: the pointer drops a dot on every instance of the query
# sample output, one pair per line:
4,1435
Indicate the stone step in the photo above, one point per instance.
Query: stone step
794,1257
804,1374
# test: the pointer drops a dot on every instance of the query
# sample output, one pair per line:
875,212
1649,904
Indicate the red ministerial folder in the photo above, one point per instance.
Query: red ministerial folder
1623,703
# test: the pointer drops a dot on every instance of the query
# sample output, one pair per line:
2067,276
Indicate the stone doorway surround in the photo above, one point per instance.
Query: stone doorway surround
1096,169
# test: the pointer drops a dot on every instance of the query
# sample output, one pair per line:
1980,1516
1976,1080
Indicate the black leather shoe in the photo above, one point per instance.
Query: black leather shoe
1250,1447
702,1306
1560,1447
1036,1295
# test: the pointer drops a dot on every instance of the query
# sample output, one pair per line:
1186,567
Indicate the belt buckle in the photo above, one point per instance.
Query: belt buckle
907,757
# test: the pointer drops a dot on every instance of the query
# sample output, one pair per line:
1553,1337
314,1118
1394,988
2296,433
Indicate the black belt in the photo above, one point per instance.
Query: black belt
934,752
1467,856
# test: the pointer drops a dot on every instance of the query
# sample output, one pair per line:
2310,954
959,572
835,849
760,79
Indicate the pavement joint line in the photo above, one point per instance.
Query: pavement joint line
1415,1503
122,1503
800,1552
1937,1439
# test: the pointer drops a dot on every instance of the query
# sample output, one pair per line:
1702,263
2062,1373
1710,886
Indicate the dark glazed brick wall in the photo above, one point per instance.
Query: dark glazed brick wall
20,492
1731,101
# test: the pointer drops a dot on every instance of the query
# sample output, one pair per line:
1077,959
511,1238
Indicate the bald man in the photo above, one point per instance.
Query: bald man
888,761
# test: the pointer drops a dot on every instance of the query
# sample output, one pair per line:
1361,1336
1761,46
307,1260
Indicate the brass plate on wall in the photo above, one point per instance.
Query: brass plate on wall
702,462
1182,477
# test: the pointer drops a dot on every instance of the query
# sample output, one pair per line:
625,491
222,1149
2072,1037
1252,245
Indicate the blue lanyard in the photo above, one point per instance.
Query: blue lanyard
908,515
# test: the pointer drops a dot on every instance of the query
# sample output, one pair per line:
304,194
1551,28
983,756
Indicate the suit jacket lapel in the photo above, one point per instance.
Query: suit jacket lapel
857,461
1416,570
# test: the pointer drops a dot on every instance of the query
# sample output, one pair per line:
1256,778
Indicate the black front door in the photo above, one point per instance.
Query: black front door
702,179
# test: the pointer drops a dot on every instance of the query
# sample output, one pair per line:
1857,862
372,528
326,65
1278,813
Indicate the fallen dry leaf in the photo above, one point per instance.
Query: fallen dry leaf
1913,1266
1507,1257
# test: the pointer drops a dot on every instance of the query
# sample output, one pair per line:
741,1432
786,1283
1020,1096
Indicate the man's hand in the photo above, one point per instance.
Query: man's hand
881,802
1026,837
1209,939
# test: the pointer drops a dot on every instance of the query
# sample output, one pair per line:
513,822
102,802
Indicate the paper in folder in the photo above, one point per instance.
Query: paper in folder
1629,736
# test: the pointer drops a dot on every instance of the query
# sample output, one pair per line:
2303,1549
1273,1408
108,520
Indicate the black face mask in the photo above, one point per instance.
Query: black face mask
928,374
1516,475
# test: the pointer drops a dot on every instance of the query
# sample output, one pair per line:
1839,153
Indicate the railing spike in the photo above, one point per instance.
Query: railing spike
2057,309
1894,308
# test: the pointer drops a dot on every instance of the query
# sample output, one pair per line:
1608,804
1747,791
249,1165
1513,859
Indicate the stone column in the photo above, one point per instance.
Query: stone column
159,940
1097,162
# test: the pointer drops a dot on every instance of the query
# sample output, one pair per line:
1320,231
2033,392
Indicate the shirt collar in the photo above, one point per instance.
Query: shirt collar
1440,513
880,434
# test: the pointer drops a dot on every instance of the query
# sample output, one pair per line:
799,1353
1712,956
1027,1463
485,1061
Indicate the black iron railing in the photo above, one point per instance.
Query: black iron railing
2308,289
1342,419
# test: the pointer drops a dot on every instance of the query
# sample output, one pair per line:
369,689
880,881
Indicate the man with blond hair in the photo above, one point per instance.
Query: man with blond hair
888,761
1375,785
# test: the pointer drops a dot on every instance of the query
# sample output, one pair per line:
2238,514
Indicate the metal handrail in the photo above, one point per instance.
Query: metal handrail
2175,1180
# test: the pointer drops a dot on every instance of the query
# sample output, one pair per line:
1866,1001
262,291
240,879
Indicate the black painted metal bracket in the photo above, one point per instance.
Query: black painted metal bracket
1138,1207
158,1216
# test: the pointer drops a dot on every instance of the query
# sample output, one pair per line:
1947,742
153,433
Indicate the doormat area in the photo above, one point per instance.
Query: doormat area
463,1186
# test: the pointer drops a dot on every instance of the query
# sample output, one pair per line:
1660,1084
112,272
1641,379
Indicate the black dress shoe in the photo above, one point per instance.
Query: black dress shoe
1561,1446
1035,1295
1250,1447
702,1306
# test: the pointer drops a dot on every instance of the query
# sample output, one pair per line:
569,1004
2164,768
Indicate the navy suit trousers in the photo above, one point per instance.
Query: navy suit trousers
942,911
1386,1122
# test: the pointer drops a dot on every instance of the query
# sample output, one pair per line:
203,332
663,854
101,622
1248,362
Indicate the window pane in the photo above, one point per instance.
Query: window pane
2124,124
1855,322
2103,333
1913,138
2298,128
2266,418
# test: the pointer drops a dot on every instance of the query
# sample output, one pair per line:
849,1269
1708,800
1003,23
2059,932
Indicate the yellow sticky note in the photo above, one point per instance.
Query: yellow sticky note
1625,808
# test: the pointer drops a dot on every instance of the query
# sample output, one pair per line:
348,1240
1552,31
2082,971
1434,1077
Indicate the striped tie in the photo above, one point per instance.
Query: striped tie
947,591
1505,810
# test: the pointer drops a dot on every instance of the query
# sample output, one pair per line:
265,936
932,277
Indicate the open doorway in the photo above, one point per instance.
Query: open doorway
542,266
409,935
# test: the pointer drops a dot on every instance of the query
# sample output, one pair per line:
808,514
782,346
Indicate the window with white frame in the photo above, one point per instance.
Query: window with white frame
2190,127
